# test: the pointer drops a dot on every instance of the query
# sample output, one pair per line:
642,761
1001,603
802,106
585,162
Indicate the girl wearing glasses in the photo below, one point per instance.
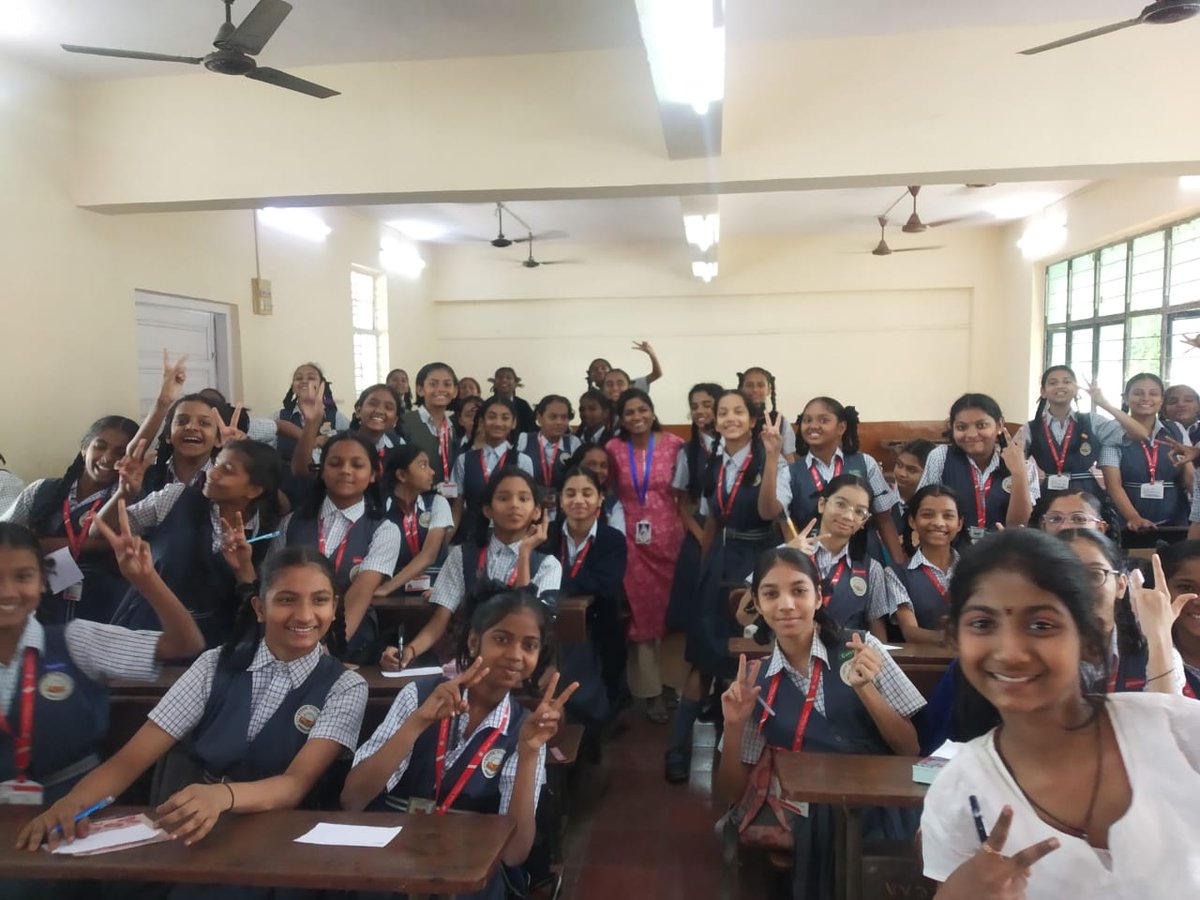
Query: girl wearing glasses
1076,507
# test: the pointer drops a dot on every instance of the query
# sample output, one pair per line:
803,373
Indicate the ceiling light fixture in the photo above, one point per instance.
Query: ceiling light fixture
704,270
702,231
686,48
301,223
400,259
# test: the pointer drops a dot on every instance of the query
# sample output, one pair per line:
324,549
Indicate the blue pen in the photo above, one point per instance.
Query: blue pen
95,807
977,815
263,537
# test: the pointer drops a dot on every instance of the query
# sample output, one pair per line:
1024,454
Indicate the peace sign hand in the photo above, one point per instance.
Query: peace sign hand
772,435
989,874
131,469
542,724
229,431
1180,453
310,400
866,664
448,697
1097,395
1014,453
1153,607
737,703
235,547
174,377
806,542
132,553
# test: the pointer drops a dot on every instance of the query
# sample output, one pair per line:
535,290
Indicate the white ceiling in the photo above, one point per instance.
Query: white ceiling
850,211
323,32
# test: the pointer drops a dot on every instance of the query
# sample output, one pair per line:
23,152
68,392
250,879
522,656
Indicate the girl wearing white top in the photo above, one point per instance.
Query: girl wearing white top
1092,795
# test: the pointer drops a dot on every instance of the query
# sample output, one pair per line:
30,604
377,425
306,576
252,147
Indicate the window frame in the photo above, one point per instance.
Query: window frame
379,330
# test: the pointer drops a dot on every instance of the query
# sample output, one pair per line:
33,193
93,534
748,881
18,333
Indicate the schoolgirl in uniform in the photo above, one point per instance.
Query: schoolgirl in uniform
1146,485
430,426
247,728
464,424
1075,508
504,385
616,383
397,380
691,470
828,445
759,385
552,447
1181,566
599,368
423,517
595,458
831,691
995,483
1135,621
187,444
507,552
593,558
55,508
1092,795
906,476
377,418
746,489
1181,405
465,743
342,515
469,387
595,417
309,376
187,526
923,583
495,421
53,678
1066,444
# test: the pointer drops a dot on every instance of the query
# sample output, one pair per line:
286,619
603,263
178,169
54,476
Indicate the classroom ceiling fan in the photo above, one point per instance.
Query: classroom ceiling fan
882,248
530,263
235,48
1161,12
501,241
914,225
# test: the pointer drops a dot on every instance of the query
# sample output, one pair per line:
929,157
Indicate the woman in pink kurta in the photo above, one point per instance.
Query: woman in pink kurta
642,460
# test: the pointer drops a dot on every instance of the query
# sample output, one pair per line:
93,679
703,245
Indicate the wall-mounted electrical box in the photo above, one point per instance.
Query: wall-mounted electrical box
260,292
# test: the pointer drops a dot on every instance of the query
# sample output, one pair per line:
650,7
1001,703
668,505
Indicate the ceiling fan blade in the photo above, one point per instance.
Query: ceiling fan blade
940,222
132,54
560,262
916,249
543,236
291,82
1082,36
256,29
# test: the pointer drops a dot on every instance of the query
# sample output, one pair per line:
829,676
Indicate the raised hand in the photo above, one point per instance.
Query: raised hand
1014,453
310,400
542,724
535,537
772,435
189,814
1180,453
644,346
234,546
131,469
737,703
448,697
132,553
989,874
1192,340
1097,395
805,541
1153,607
174,377
229,431
866,664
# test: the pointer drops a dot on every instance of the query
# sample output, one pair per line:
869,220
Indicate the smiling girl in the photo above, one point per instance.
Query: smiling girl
473,470
309,377
423,517
1098,794
1181,565
934,519
430,425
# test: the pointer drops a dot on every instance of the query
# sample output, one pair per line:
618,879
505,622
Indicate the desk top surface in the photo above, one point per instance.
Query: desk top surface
849,779
449,854
906,653
377,683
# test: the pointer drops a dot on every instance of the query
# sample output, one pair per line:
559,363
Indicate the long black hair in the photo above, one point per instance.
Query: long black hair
486,606
494,400
828,628
19,537
238,651
289,399
918,448
372,496
741,379
483,531
356,423
406,399
1144,376
62,489
424,373
697,454
555,532
857,545
1130,640
914,507
604,403
264,471
627,397
846,414
1041,404
712,476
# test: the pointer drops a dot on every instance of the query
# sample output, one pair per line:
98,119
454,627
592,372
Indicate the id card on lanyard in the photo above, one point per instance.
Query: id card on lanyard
1059,481
481,569
726,507
439,765
979,529
341,550
20,790
1154,490
642,533
810,699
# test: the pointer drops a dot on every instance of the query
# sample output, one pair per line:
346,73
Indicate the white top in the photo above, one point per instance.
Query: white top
440,514
492,457
382,552
935,465
450,588
1152,848
10,488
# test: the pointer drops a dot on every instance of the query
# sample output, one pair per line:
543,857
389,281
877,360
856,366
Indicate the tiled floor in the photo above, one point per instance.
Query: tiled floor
634,835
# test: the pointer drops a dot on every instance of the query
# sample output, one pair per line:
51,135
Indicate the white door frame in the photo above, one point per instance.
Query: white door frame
227,381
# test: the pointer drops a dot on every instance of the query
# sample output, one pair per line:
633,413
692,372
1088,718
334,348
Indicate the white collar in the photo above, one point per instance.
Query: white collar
919,559
297,670
494,719
779,661
351,513
810,459
494,543
574,548
33,635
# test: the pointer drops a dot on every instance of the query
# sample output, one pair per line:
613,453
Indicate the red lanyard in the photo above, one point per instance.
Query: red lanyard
548,466
75,541
341,550
1187,690
483,467
981,494
937,582
412,533
440,762
510,581
23,743
443,434
816,476
810,698
837,574
1060,460
1151,461
726,508
579,557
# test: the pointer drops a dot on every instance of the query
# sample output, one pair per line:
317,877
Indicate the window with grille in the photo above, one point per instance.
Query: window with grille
368,312
1126,308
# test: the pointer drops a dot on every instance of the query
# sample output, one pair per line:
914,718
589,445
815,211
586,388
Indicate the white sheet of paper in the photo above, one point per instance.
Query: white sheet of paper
112,837
63,570
414,673
948,750
890,647
331,835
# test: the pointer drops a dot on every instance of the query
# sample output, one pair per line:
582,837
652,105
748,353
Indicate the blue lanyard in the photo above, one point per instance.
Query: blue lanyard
645,486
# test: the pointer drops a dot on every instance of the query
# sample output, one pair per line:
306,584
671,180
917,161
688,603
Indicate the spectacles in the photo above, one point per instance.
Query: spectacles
859,512
1075,520
1098,576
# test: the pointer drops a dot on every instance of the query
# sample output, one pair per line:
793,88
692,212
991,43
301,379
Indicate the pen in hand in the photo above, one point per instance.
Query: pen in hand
977,815
95,807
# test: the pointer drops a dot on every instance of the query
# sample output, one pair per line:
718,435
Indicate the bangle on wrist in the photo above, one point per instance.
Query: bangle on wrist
1163,675
232,799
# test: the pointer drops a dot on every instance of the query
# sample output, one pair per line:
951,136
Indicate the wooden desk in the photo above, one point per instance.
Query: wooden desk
449,854
571,625
850,781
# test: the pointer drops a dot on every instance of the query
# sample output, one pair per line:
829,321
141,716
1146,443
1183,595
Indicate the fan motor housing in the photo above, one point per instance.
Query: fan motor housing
229,62
1167,12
